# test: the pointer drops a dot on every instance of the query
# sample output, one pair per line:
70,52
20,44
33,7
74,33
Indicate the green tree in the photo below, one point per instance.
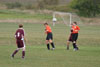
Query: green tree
51,2
13,5
40,4
88,8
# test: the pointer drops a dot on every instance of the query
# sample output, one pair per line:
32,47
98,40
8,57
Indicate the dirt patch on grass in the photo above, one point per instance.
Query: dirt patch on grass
23,21
87,21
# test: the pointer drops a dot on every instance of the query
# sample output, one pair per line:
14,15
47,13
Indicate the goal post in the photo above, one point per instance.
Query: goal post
66,18
61,14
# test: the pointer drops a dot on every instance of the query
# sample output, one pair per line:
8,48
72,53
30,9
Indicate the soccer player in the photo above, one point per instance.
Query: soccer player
75,30
49,38
70,38
20,41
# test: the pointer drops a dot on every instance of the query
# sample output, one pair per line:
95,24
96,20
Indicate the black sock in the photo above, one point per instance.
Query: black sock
77,47
48,46
52,44
74,45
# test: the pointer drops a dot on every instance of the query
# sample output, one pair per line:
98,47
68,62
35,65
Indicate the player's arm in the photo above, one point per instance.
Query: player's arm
77,29
46,30
71,30
15,35
24,38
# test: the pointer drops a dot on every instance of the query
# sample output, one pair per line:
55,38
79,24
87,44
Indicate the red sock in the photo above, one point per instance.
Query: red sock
14,53
23,54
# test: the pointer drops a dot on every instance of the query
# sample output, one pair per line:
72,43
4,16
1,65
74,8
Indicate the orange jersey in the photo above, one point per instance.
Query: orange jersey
48,29
75,29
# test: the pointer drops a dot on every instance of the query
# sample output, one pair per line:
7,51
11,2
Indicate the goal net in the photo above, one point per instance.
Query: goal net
66,18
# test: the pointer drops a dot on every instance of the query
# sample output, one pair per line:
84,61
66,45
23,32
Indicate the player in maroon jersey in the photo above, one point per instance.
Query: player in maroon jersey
20,41
70,38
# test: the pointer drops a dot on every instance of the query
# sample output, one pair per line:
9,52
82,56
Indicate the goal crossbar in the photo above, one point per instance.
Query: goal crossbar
63,13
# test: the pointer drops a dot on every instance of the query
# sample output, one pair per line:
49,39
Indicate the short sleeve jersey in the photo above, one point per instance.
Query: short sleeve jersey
48,29
75,29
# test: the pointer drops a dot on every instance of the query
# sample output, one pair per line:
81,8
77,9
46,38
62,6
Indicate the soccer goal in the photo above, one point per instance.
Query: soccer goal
66,18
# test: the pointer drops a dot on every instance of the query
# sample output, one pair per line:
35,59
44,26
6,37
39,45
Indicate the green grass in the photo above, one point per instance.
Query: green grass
9,14
38,56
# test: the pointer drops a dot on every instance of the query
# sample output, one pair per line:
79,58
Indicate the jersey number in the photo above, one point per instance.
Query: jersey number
18,34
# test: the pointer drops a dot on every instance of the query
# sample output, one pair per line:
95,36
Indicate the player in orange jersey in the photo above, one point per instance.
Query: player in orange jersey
75,30
49,38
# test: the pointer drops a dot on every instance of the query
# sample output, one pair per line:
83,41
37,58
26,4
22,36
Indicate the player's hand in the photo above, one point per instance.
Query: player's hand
25,39
71,30
45,32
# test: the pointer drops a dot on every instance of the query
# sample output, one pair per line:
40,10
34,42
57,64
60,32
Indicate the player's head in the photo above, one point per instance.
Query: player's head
74,23
45,24
20,26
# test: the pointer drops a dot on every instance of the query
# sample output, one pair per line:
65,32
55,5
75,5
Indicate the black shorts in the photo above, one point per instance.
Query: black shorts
49,36
74,37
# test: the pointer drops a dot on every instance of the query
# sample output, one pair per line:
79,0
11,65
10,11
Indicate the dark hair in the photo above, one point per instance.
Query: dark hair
75,23
45,23
20,25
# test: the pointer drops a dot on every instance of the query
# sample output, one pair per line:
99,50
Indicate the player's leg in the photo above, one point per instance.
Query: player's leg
52,44
76,37
77,46
15,52
51,40
47,42
23,48
68,42
18,44
23,52
74,45
74,41
48,46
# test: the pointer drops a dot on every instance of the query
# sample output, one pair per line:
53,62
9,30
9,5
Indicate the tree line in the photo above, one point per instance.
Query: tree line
87,8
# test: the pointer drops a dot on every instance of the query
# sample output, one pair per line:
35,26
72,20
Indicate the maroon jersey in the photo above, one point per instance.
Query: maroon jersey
19,34
20,38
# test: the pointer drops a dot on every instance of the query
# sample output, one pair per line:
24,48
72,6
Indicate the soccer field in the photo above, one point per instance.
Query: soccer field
38,56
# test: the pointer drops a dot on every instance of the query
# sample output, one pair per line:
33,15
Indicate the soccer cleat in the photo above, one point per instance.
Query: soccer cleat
12,56
48,49
75,49
53,48
22,57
